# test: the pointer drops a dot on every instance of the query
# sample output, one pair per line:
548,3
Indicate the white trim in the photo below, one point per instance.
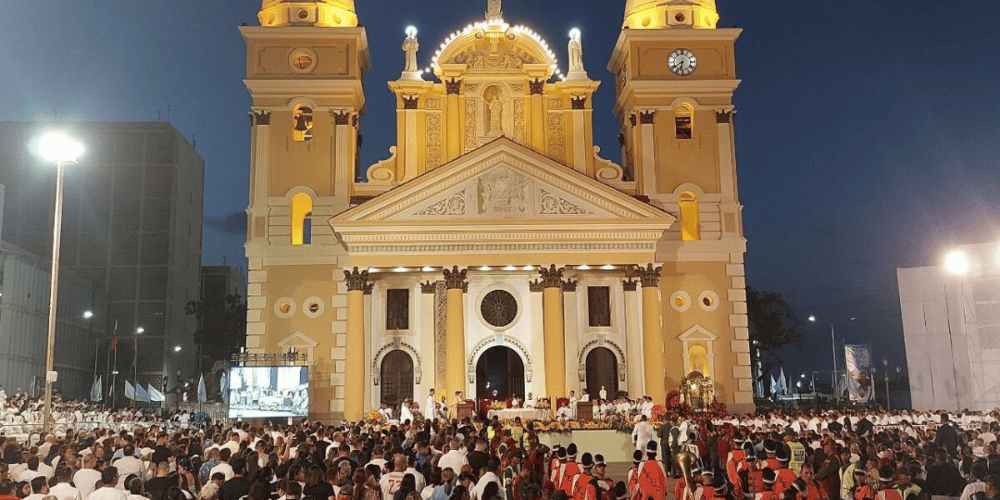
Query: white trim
313,300
693,335
684,296
291,307
299,340
712,297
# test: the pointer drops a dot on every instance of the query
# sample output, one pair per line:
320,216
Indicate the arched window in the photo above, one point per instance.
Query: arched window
690,225
683,123
301,226
302,124
698,357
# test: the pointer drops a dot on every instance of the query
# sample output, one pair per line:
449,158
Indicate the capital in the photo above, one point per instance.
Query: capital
342,117
646,117
724,116
455,278
536,286
579,102
569,285
428,288
536,86
629,285
356,280
410,102
260,117
650,276
551,277
453,86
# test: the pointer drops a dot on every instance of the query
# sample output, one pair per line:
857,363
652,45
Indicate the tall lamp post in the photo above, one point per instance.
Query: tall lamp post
885,364
61,149
833,346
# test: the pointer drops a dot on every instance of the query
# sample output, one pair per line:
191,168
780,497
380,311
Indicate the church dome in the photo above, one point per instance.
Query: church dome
319,13
660,14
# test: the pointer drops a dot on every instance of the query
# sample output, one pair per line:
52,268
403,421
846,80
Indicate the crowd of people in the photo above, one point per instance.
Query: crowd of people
830,456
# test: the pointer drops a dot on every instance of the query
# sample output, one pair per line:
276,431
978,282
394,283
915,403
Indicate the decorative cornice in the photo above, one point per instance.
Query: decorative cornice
646,117
536,86
260,117
629,285
551,277
455,278
453,86
356,280
428,288
569,285
410,102
341,117
535,286
579,102
724,116
650,276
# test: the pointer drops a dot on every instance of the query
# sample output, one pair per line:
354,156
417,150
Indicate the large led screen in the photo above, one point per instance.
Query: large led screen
268,391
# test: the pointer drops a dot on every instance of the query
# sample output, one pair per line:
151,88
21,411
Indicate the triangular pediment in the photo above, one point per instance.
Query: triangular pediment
514,191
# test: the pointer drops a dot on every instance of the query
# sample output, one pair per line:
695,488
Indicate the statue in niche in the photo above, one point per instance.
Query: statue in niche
575,52
410,46
496,113
493,10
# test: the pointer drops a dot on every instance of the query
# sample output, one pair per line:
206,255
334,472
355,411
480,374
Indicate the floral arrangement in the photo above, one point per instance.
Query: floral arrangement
373,417
543,404
498,405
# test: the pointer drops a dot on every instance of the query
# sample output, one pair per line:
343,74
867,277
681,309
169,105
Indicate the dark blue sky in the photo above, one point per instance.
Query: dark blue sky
867,132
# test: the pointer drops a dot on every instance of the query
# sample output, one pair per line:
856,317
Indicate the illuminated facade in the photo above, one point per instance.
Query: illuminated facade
495,252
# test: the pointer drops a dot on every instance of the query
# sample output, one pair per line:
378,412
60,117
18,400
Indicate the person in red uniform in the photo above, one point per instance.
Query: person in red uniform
767,477
680,487
581,481
568,471
805,487
861,490
771,448
555,465
600,485
633,476
754,477
705,490
652,476
887,484
785,476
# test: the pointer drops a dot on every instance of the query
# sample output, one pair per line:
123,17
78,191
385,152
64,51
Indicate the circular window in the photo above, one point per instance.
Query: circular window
313,307
709,300
302,60
679,17
284,308
303,14
680,301
499,308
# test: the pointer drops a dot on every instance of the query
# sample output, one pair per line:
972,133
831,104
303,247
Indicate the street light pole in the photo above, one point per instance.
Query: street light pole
833,350
61,149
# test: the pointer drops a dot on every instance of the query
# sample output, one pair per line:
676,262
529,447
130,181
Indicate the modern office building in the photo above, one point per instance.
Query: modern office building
131,224
218,284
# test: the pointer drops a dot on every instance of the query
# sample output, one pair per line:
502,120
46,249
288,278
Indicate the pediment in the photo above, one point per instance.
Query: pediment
514,192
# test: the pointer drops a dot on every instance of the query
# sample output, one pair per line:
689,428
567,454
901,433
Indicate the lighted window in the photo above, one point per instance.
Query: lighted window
683,123
302,124
301,208
690,227
698,357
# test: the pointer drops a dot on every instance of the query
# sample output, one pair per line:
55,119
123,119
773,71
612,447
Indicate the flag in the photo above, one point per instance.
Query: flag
114,341
96,390
129,390
774,386
155,395
140,393
224,386
858,366
202,394
783,380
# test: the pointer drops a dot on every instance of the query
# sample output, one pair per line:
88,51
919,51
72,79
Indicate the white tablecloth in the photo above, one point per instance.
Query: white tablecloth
524,413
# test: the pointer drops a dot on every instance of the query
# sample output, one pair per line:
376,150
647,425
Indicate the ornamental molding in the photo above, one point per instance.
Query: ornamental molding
396,345
613,347
356,280
499,247
456,278
551,277
504,341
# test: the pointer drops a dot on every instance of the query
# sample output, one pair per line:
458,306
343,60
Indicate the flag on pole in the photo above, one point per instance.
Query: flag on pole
774,386
155,395
114,341
224,386
783,380
858,361
129,390
202,393
140,393
96,390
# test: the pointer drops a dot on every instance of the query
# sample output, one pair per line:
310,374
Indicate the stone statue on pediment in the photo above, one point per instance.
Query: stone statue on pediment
493,10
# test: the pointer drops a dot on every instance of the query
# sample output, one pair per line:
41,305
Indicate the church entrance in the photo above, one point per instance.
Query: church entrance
499,374
602,371
397,377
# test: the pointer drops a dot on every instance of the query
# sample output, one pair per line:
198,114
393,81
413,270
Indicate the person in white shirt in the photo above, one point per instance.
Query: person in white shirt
223,467
454,459
391,481
64,490
573,399
603,394
643,433
39,489
429,408
128,464
32,471
490,476
530,401
87,477
979,472
386,412
404,412
109,479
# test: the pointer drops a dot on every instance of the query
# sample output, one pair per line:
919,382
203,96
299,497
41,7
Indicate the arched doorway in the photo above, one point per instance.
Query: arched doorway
602,371
499,374
397,377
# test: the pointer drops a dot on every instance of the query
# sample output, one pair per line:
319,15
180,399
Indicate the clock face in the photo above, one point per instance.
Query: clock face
682,62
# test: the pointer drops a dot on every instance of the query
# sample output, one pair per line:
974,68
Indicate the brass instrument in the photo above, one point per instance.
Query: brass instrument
685,461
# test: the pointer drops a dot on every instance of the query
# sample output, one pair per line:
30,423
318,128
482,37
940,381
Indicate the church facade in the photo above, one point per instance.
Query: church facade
495,252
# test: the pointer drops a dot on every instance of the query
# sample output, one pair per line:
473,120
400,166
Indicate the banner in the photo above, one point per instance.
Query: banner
96,390
202,394
129,390
140,393
155,395
858,368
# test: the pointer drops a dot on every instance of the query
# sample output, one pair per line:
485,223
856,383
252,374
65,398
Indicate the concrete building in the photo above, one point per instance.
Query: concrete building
951,327
218,283
131,224
495,252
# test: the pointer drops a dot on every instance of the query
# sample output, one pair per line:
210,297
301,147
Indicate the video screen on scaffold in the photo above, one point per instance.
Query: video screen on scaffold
268,392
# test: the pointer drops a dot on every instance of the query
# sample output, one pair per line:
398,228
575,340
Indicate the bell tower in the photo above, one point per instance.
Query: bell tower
305,64
675,75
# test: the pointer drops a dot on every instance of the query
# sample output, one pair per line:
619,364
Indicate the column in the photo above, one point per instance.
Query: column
727,174
647,152
555,348
453,150
456,284
538,379
577,156
633,338
572,335
427,343
410,154
343,156
258,155
354,365
652,335
537,86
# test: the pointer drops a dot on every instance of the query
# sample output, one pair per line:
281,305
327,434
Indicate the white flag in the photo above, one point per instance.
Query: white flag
97,390
202,393
154,394
129,390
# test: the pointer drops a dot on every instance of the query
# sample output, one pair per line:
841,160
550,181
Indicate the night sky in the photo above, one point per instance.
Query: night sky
867,131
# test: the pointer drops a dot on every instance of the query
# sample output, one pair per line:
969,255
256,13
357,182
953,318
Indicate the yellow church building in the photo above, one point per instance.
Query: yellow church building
495,252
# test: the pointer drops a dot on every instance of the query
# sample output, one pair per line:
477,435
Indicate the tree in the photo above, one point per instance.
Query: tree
773,326
221,327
